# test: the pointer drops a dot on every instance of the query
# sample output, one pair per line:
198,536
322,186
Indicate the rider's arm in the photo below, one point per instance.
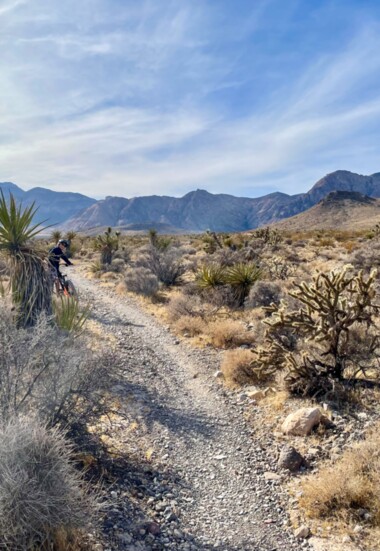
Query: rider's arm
66,260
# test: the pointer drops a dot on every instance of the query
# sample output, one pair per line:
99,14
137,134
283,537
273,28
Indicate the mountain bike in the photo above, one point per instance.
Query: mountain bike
63,286
67,287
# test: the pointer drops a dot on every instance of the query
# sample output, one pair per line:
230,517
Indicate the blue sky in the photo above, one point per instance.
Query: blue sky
122,97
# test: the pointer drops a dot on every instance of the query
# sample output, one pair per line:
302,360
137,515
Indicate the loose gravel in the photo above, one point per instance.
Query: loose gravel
198,476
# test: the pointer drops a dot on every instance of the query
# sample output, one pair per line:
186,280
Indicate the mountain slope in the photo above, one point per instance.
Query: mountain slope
344,210
200,210
53,206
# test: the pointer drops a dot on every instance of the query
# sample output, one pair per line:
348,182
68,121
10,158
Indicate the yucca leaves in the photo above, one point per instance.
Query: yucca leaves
16,227
69,315
30,281
241,277
210,276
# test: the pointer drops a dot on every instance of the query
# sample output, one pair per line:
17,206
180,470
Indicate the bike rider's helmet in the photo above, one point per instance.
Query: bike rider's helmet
63,242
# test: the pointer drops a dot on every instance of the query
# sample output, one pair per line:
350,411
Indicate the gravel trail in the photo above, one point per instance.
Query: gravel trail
206,487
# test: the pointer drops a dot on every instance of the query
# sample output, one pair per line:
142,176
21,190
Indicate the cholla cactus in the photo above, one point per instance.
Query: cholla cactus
268,235
333,307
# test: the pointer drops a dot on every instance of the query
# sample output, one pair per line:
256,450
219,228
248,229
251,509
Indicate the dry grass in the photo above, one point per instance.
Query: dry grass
190,325
236,367
228,334
349,489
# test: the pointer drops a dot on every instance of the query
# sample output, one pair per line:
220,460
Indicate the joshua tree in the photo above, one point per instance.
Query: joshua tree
107,244
29,279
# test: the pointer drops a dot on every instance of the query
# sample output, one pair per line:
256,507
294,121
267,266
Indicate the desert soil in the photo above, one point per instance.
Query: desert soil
196,476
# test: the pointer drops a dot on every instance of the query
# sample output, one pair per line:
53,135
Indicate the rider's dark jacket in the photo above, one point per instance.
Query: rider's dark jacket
55,255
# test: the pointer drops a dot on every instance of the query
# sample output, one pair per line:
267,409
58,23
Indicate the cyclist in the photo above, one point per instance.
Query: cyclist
55,255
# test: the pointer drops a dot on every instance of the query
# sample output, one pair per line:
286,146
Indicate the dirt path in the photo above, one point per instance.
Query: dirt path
205,487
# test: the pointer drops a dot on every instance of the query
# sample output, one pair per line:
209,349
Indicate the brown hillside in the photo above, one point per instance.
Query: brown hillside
344,210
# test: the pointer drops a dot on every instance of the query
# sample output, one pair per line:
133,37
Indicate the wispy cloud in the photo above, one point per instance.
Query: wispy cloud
8,6
111,98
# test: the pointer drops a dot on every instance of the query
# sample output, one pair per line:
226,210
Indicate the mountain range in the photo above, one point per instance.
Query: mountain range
54,207
196,211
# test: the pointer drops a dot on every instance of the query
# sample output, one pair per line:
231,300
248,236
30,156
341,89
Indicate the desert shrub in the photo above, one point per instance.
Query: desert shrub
142,282
191,325
166,264
229,333
123,254
366,257
46,372
42,495
263,293
181,306
350,487
236,367
117,265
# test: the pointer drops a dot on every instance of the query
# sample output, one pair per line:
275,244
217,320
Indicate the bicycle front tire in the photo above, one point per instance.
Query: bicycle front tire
70,288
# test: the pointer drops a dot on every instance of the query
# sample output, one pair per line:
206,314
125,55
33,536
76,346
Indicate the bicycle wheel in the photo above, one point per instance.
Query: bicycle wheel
70,288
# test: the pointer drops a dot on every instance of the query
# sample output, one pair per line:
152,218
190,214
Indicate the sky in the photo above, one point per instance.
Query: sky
143,97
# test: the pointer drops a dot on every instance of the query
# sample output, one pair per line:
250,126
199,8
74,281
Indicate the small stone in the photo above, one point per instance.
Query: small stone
153,528
290,459
256,395
302,532
272,476
218,374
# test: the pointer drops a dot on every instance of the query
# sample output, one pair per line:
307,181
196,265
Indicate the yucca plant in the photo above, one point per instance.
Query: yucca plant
69,315
107,244
241,277
210,276
30,282
56,235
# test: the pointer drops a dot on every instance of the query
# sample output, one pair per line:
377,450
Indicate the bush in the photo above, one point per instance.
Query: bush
43,499
117,266
181,306
191,325
350,487
166,264
142,282
236,367
229,333
263,293
46,372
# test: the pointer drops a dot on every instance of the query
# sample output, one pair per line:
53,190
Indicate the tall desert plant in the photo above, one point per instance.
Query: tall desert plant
29,279
107,244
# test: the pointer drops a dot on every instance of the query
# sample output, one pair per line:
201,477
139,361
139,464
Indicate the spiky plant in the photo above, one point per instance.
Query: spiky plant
70,235
107,244
210,276
241,277
30,283
56,235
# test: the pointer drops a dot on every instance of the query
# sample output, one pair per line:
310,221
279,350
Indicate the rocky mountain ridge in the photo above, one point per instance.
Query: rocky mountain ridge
54,207
196,211
200,210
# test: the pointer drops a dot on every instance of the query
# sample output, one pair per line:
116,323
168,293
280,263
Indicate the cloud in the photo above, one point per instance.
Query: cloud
6,7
